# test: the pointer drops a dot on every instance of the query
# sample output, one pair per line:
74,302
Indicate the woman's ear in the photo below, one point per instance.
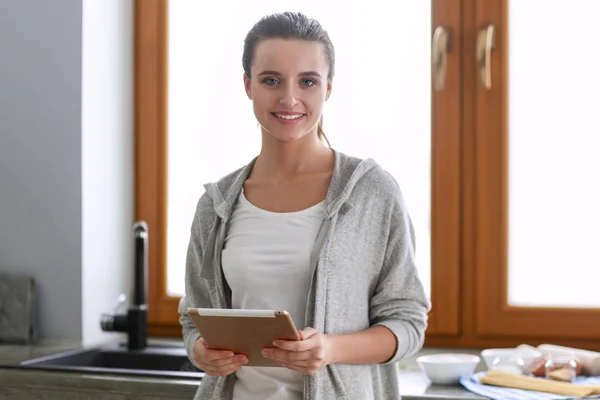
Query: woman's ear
247,86
328,93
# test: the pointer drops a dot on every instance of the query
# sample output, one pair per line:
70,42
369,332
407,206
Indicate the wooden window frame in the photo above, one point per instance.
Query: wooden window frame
444,318
151,72
469,190
488,320
495,317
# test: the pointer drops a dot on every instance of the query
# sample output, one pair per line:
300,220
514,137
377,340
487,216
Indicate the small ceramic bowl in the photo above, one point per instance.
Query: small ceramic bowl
446,369
528,355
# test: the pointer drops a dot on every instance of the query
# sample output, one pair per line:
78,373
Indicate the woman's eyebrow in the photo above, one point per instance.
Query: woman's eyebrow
275,73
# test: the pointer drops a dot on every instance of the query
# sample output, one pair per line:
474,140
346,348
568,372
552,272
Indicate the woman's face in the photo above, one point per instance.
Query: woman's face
288,87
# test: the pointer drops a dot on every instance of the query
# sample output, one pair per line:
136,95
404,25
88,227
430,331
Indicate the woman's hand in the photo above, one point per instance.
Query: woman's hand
217,362
309,355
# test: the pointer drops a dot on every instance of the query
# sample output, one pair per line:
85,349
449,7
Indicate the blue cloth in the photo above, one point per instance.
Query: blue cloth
472,384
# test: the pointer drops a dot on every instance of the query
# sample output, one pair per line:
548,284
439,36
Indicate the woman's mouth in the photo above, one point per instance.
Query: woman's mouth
288,118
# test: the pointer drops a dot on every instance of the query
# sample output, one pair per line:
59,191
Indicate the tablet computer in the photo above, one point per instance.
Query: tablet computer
244,331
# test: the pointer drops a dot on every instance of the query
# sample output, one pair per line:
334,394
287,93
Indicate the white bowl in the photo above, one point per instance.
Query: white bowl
527,354
446,369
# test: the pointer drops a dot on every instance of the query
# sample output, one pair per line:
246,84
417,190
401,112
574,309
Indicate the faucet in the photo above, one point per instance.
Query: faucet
135,321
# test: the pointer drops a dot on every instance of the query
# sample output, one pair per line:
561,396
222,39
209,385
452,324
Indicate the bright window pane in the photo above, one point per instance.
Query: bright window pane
554,153
380,105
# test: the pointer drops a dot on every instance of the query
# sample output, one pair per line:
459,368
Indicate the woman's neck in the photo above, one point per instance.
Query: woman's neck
279,160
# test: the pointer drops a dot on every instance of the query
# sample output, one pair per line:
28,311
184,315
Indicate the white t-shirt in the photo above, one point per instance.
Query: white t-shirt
266,261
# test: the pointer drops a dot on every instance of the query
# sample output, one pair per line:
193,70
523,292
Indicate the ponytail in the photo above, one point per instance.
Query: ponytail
321,133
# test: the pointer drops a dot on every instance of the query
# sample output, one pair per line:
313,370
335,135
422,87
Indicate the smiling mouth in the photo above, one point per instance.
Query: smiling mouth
288,116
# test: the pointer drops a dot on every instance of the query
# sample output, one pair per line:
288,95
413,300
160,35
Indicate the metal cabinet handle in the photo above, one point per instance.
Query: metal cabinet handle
440,46
486,42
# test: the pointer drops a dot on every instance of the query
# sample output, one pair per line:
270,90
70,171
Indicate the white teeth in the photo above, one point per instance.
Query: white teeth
285,116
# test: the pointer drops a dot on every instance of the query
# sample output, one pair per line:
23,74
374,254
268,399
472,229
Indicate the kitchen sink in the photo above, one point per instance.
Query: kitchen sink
162,361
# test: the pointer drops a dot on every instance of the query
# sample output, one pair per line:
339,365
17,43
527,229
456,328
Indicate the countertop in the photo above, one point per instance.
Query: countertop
414,385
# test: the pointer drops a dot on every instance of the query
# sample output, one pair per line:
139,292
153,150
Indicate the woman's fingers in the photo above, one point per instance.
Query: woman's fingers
293,367
223,370
211,355
221,362
286,356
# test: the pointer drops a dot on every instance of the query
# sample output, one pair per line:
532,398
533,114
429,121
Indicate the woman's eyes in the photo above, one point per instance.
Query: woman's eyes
270,81
303,82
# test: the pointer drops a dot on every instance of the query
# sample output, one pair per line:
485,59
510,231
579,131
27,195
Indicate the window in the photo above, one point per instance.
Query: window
466,155
536,169
380,104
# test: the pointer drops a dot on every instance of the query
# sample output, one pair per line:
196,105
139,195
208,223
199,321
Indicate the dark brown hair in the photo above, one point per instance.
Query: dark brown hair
289,25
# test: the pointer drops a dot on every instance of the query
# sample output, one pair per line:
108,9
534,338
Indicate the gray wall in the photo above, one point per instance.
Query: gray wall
40,155
66,157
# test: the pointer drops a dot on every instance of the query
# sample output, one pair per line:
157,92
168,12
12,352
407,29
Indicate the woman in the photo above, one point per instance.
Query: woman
308,229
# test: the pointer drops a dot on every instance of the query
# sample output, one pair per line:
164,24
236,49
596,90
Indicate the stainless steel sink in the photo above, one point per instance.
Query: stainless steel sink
162,361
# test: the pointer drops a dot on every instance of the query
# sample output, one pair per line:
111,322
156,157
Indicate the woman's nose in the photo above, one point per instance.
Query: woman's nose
288,98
